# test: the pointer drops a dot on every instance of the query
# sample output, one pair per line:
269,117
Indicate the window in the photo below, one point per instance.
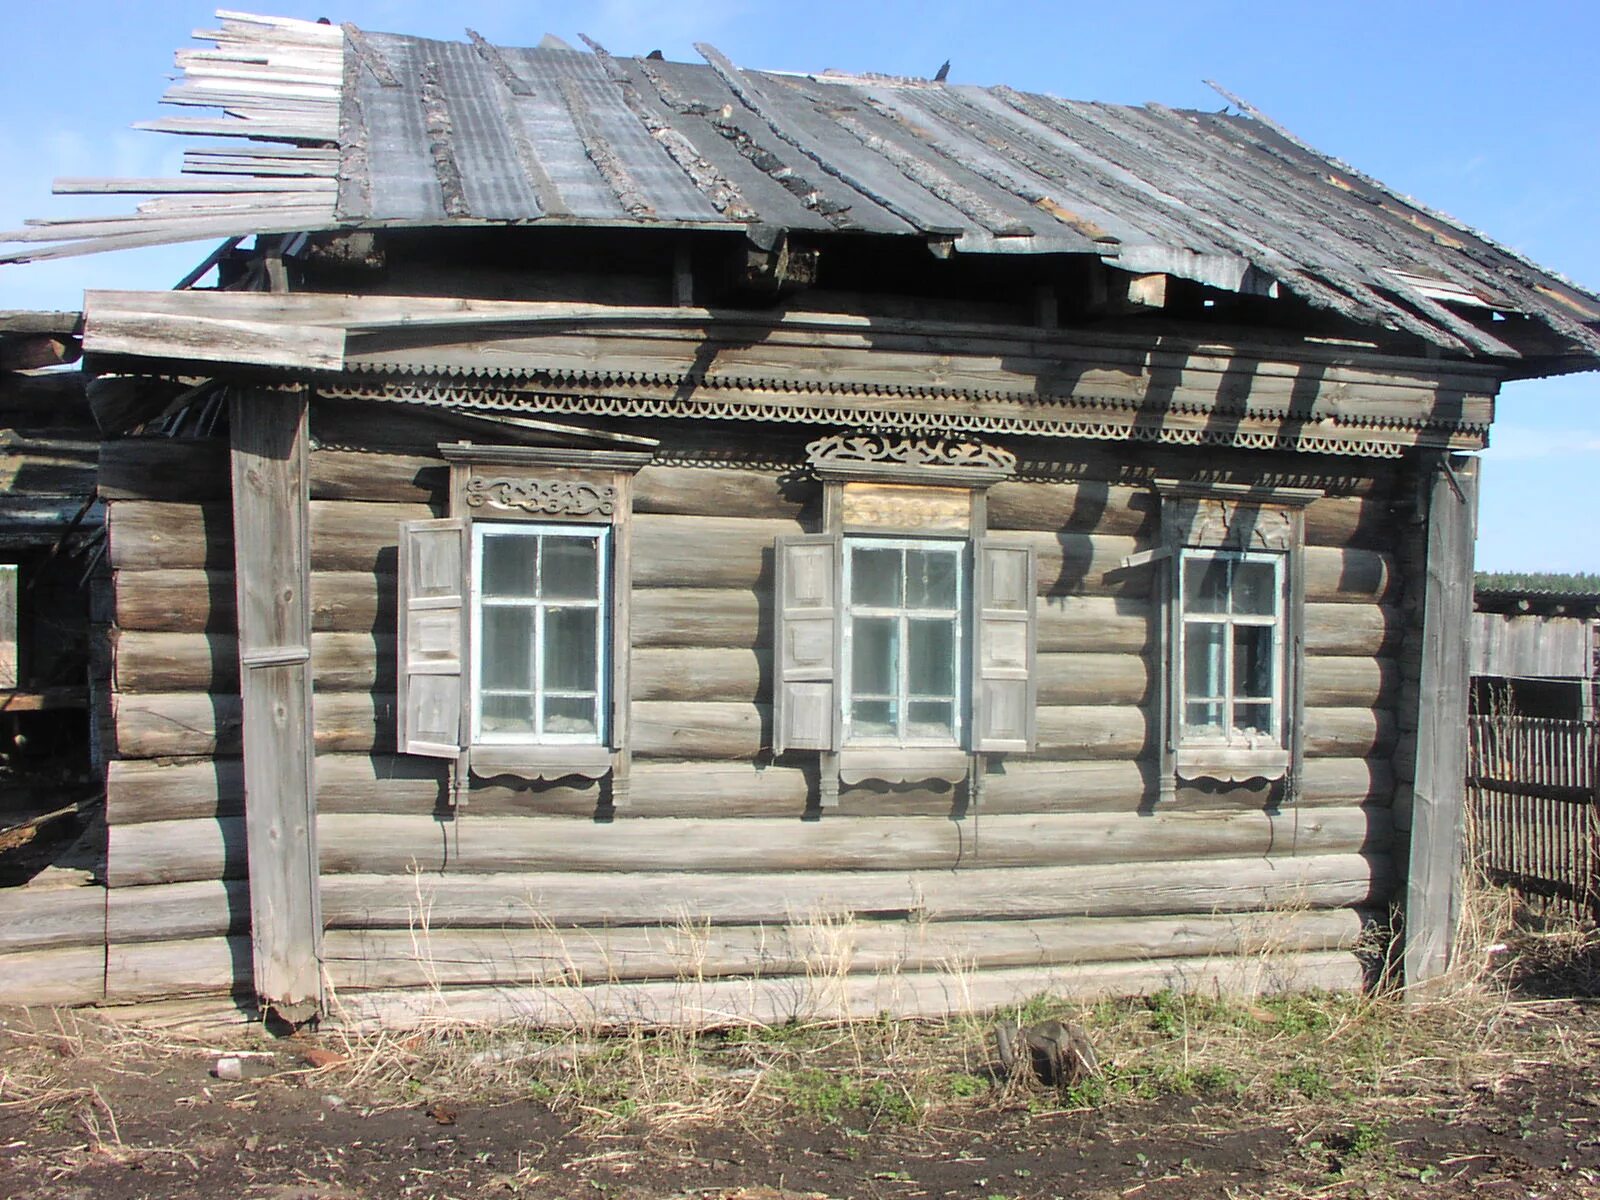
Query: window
513,612
1232,608
1230,585
904,644
539,633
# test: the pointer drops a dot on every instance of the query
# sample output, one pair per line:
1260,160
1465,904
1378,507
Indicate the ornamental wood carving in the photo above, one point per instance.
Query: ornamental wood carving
570,497
859,449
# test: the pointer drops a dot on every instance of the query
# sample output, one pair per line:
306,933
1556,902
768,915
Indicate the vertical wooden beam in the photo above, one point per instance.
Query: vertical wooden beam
271,532
1434,878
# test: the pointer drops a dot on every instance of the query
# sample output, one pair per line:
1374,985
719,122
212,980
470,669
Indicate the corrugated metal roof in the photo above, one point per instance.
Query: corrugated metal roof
389,129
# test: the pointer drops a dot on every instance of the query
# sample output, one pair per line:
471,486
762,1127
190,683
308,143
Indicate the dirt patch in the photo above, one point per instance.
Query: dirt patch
1299,1097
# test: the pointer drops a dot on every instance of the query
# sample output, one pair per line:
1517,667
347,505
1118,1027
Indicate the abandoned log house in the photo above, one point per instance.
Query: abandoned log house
682,542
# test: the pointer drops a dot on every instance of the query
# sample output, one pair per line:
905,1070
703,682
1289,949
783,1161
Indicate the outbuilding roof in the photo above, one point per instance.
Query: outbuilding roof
335,127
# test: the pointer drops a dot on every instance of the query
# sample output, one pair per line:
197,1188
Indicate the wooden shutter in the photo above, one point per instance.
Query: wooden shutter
432,637
1003,686
805,694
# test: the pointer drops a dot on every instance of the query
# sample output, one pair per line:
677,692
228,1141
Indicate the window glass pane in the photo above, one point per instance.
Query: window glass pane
1205,585
510,565
507,648
571,568
931,657
569,714
570,651
875,656
1202,659
875,576
931,578
507,714
1256,718
1203,719
930,719
1252,661
873,718
1255,588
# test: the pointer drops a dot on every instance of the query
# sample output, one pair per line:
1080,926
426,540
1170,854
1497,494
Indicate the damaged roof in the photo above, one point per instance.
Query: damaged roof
335,127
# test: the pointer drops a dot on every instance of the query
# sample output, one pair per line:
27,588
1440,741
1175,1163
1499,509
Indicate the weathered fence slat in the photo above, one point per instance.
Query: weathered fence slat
1534,787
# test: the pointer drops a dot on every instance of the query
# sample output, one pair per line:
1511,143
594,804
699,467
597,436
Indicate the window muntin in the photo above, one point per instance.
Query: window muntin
539,633
1230,654
904,606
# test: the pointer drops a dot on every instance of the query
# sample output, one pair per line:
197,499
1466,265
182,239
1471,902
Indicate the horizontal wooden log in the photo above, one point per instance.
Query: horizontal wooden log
706,552
746,676
139,790
165,912
1094,625
1365,521
526,900
194,601
1350,681
1349,732
726,492
186,470
192,724
68,975
1371,629
1088,506
722,1003
346,535
1092,731
826,948
209,662
399,844
175,851
195,966
196,469
39,918
1348,575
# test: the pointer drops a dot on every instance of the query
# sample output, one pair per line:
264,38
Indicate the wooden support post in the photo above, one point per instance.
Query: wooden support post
1434,880
271,531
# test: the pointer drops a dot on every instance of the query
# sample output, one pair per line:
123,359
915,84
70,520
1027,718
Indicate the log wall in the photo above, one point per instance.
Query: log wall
721,869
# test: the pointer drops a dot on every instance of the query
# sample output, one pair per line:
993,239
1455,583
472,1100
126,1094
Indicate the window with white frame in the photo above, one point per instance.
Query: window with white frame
904,641
539,633
1231,669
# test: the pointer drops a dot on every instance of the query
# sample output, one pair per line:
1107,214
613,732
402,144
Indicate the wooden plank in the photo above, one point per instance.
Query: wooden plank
398,844
541,900
785,999
35,918
1434,875
272,531
72,975
10,674
193,966
824,948
257,343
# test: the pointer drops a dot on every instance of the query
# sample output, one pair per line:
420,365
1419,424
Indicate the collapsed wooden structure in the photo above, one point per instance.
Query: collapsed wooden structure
694,543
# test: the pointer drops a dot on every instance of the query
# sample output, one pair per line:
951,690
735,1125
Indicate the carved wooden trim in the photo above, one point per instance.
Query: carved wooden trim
550,497
950,461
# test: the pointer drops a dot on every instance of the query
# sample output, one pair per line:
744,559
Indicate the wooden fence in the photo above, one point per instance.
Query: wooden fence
1533,784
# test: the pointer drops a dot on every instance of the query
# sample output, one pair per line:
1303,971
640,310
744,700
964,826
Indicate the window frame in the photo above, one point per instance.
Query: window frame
479,532
1232,736
961,618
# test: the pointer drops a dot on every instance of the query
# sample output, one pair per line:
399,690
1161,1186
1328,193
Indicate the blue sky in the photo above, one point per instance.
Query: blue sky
1484,110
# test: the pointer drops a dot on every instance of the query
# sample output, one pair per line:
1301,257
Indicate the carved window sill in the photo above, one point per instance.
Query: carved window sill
892,765
540,762
1231,764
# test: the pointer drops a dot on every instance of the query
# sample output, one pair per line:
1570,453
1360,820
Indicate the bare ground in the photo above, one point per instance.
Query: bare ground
1493,1090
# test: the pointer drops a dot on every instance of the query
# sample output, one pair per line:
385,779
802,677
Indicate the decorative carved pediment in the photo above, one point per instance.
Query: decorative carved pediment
927,460
568,497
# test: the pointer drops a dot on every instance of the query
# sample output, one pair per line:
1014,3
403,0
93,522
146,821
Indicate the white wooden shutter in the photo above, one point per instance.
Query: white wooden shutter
432,641
805,692
1003,686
